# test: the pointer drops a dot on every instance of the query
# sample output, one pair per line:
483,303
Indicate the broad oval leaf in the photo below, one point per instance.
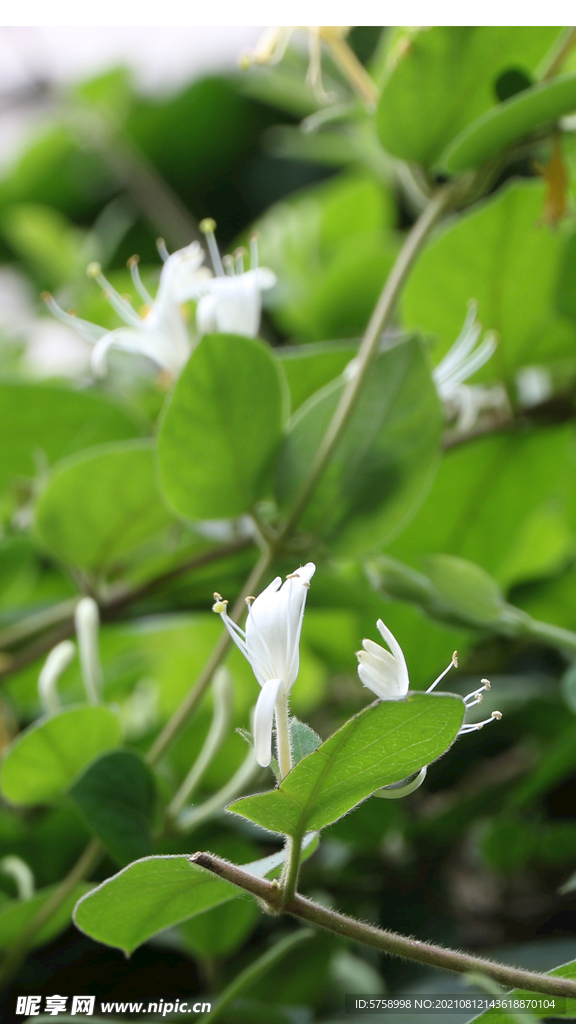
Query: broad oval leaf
116,795
16,915
385,462
101,505
45,759
156,893
221,428
441,79
505,124
40,423
384,743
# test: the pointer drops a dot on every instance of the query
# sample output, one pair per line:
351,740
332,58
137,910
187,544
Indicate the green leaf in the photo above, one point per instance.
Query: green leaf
304,739
40,423
42,762
331,247
117,795
383,465
222,930
499,254
442,79
540,105
466,588
310,367
45,237
156,893
101,505
483,506
384,743
15,915
496,1016
221,428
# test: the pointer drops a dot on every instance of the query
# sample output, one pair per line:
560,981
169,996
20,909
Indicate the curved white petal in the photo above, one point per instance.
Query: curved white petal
275,623
263,721
398,653
385,673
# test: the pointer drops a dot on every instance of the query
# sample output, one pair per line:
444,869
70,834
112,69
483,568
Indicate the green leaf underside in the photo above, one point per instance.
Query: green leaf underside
384,743
101,505
542,104
44,422
116,796
156,893
47,757
15,915
442,79
382,467
221,428
502,1017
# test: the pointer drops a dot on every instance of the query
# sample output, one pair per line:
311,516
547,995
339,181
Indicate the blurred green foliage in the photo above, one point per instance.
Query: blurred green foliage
125,487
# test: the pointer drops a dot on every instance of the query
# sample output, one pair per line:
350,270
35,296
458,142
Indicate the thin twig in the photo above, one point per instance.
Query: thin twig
387,942
111,609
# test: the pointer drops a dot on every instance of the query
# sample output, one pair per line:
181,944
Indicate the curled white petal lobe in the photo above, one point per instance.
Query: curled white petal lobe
385,673
264,720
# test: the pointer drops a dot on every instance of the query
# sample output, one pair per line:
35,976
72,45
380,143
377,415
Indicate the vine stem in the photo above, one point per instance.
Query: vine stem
379,320
385,941
110,609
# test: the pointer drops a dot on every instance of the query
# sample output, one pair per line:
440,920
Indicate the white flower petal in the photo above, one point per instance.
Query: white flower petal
275,623
263,721
385,673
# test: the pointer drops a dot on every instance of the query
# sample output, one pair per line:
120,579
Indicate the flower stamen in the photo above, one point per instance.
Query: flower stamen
453,664
208,227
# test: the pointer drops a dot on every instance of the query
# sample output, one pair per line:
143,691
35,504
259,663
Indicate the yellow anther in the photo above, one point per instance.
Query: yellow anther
253,236
240,252
207,226
93,269
486,683
46,296
497,715
132,261
455,659
249,600
292,576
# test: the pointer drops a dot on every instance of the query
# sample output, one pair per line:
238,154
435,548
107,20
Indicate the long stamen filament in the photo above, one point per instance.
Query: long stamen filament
207,227
453,664
137,280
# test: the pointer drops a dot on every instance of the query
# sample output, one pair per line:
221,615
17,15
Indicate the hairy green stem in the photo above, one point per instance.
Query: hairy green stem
378,938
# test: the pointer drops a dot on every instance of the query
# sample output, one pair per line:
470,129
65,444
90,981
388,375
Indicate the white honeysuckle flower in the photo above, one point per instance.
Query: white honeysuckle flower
464,358
161,332
271,643
231,301
386,674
